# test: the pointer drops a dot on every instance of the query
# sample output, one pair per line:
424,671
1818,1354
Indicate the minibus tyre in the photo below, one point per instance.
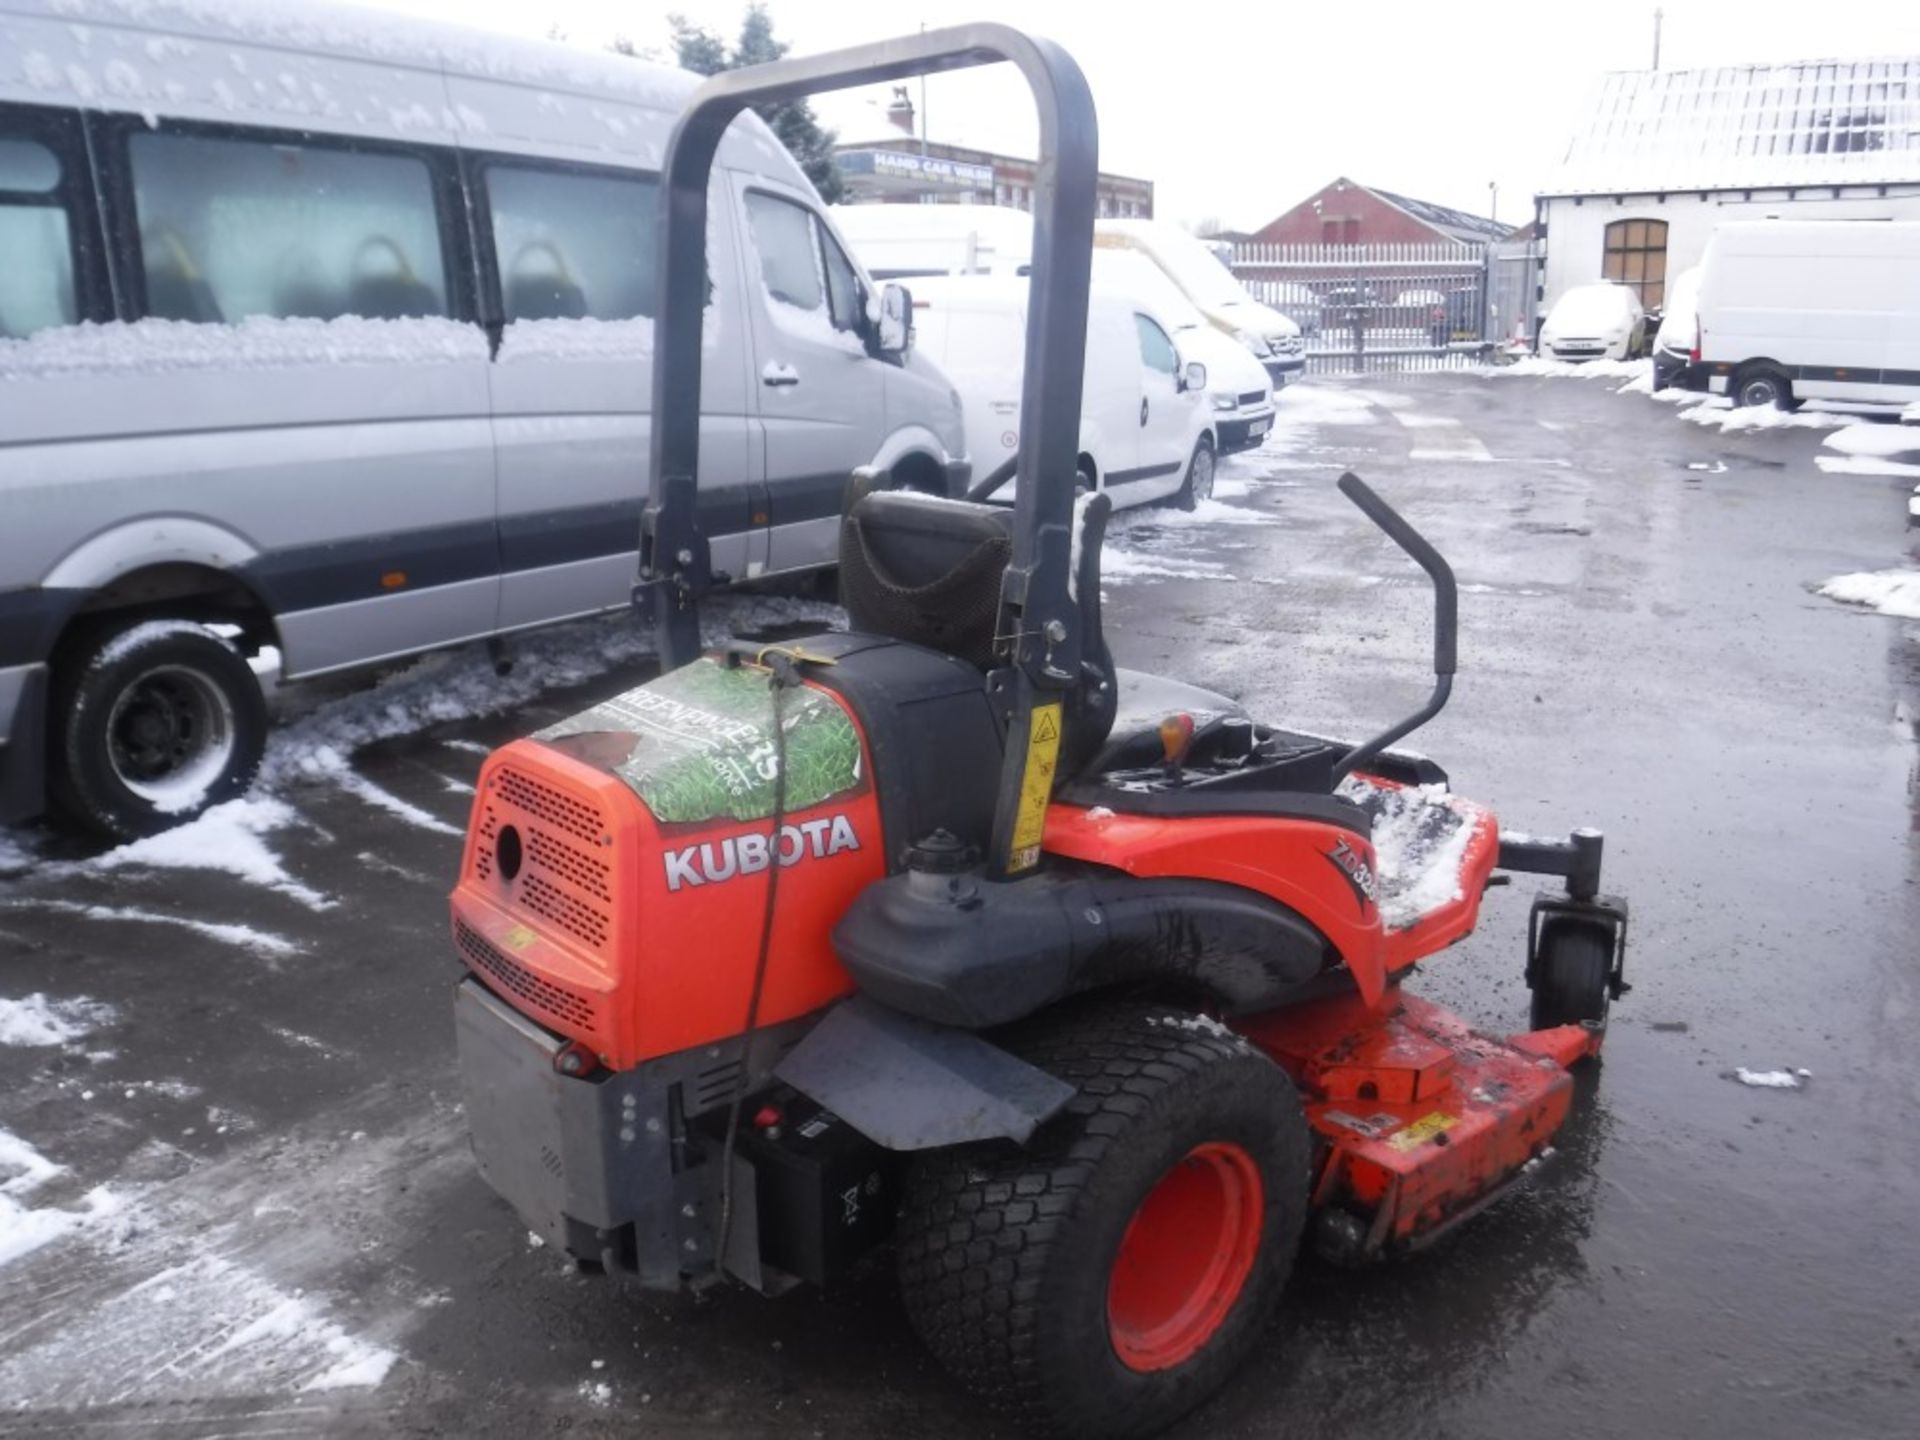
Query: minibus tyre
152,722
1763,385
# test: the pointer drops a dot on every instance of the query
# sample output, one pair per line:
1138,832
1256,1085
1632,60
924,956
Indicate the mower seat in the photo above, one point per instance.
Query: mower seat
928,570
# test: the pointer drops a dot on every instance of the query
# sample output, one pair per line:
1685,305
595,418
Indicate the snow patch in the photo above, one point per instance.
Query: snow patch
1204,512
1119,563
35,1020
1772,1079
1629,370
226,838
1875,440
258,342
1420,839
1865,465
1891,592
1732,420
24,1229
273,947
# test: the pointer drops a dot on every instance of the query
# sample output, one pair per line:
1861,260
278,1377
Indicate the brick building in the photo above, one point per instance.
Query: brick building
1346,212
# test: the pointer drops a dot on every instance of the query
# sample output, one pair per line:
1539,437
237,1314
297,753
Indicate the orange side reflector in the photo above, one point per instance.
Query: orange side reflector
393,580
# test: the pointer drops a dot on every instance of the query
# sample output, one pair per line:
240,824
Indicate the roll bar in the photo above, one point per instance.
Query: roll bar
1039,621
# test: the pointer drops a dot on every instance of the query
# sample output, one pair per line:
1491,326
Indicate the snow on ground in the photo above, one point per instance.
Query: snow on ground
229,838
1117,562
1875,440
1629,370
1322,405
36,1020
24,1227
1731,419
245,937
1866,465
1771,1079
1891,592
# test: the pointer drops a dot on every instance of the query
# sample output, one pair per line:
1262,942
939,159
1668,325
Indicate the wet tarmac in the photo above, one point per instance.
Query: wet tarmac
287,1197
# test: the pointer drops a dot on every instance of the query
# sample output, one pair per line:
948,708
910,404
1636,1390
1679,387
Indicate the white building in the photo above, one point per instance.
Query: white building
1669,154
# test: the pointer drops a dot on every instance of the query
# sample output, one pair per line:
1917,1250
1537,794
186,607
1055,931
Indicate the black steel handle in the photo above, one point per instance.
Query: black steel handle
1446,595
1446,618
1143,409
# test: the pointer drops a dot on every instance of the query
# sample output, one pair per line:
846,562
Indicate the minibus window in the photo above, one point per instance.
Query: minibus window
843,287
789,260
573,246
36,239
231,228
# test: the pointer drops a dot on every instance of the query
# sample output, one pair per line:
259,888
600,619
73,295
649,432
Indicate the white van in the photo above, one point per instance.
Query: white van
1145,430
1809,310
916,241
336,328
1272,337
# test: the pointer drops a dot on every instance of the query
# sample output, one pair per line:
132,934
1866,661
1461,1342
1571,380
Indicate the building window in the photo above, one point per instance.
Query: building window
1636,256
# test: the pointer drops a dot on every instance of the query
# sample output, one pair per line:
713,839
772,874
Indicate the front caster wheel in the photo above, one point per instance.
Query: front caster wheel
1572,976
1108,1277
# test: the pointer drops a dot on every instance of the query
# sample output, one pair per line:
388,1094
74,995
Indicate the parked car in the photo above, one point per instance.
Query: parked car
916,241
1594,322
1673,342
1211,286
1146,432
365,370
1808,310
1444,316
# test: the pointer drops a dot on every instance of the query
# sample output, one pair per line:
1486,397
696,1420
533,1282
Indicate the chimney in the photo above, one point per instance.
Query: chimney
900,111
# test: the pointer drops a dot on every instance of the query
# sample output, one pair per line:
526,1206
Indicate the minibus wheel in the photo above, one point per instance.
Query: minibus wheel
153,721
1764,387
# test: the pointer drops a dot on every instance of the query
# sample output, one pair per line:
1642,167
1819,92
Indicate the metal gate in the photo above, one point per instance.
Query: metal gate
1376,307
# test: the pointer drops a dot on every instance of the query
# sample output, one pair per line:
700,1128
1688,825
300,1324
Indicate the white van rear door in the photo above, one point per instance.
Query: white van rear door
819,394
569,251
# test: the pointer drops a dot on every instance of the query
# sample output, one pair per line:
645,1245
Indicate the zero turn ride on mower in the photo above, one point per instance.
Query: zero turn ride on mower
1080,986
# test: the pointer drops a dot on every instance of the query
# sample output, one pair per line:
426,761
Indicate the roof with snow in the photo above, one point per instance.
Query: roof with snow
1810,122
1457,223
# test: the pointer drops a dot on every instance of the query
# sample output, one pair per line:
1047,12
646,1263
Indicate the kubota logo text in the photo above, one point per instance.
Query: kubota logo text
713,861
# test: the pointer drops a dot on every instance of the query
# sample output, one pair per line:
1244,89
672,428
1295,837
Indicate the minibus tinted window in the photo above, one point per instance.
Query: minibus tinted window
231,228
573,246
783,237
36,250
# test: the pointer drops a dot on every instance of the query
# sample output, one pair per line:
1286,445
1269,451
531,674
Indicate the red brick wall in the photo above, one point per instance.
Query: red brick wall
1362,220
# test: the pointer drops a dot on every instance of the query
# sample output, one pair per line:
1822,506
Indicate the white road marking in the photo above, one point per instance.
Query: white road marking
1442,438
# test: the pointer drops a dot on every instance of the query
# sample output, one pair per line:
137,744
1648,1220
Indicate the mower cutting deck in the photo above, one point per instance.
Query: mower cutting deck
1083,986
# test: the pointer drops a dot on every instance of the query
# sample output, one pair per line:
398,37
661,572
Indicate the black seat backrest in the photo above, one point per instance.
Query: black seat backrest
545,297
928,570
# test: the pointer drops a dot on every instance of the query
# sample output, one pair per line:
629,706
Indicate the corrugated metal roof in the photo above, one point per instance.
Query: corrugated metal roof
1811,122
1445,217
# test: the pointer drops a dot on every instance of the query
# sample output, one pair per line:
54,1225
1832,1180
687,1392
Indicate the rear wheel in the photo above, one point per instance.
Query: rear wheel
1764,387
1198,485
1108,1277
1571,982
152,722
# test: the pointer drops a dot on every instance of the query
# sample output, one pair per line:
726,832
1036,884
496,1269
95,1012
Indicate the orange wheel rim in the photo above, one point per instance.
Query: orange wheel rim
1185,1257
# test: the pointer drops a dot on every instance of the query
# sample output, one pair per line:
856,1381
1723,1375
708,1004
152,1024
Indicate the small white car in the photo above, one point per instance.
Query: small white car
1146,429
1594,322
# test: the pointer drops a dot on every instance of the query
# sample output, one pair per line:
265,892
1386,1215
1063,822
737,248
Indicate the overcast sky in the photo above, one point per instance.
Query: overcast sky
1239,111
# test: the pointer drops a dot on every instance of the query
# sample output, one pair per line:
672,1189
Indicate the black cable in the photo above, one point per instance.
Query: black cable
781,675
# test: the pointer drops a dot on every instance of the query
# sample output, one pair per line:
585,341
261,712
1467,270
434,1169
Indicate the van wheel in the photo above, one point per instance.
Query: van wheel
152,722
1198,485
1764,387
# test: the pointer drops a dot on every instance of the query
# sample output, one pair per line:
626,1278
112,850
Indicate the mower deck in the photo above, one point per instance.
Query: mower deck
1422,1120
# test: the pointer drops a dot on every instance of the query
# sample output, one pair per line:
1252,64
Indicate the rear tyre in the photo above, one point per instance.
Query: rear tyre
152,722
1755,388
1109,1277
1571,982
1198,485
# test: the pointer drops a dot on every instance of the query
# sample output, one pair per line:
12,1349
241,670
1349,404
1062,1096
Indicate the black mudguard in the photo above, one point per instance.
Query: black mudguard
964,951
910,1085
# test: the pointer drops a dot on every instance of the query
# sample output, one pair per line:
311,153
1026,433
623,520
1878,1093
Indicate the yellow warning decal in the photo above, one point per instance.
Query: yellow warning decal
1036,785
1423,1129
519,937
